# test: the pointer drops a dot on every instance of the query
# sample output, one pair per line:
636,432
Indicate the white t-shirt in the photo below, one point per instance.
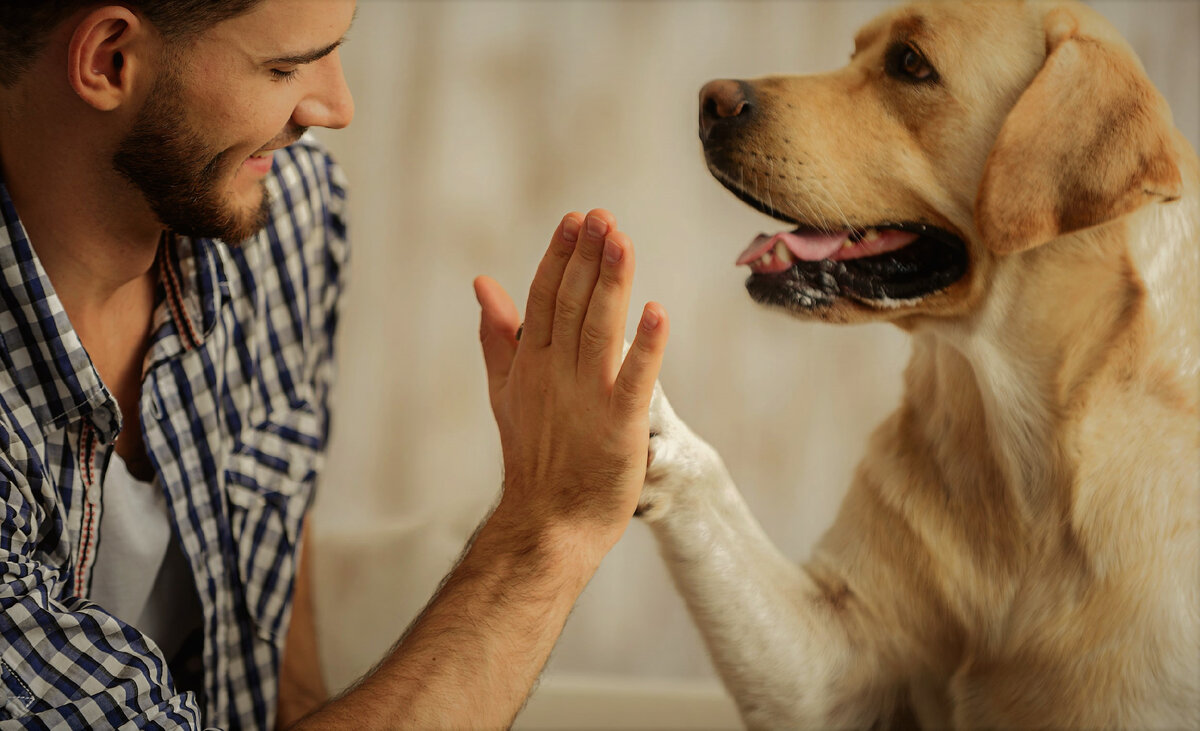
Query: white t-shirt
141,575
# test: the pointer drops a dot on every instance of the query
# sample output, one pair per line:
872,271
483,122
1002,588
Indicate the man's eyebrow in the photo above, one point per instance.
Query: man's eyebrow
300,59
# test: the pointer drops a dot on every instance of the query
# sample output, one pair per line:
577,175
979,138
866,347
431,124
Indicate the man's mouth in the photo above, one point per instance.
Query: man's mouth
881,265
289,137
259,163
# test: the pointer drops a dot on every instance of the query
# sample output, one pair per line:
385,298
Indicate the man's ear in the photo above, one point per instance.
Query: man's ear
106,50
1087,142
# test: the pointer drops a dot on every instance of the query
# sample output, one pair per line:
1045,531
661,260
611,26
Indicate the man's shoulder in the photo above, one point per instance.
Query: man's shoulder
300,256
307,190
305,169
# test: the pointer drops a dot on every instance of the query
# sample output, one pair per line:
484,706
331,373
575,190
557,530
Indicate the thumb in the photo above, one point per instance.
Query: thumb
498,323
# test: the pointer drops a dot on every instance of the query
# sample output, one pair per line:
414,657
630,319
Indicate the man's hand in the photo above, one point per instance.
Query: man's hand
573,417
574,428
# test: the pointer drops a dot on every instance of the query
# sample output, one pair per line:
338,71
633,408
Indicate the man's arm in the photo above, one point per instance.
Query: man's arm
472,656
573,420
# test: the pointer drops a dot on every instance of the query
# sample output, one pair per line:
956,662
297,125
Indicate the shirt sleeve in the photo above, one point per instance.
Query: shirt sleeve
66,663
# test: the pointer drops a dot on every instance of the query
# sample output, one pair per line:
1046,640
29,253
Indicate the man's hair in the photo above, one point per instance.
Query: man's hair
25,25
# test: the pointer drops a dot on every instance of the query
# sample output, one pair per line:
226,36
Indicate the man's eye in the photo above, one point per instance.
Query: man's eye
284,74
906,63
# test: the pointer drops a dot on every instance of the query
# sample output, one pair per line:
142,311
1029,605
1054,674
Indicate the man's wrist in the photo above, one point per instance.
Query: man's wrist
553,547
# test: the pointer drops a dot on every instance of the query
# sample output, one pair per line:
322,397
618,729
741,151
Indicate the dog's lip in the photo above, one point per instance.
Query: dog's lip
752,201
803,228
935,259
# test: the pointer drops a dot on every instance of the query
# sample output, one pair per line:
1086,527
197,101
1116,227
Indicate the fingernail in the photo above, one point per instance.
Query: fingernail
650,319
612,251
570,229
597,227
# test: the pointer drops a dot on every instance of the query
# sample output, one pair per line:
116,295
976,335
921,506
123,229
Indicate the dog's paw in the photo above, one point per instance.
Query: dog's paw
676,461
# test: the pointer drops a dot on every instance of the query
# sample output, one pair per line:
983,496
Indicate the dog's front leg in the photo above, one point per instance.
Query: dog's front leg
782,642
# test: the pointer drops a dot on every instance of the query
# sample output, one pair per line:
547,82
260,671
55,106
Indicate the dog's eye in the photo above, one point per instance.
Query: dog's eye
906,63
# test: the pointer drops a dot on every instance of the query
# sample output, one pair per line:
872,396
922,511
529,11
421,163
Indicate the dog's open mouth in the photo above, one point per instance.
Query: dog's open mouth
882,265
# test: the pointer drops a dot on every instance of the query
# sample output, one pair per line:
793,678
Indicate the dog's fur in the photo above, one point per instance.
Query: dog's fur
1021,543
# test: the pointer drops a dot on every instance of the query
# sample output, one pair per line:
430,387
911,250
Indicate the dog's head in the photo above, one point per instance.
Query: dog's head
958,135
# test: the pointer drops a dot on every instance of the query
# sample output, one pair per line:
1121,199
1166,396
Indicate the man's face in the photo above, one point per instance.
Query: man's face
201,145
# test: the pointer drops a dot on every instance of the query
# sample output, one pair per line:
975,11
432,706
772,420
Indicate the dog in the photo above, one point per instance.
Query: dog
1020,545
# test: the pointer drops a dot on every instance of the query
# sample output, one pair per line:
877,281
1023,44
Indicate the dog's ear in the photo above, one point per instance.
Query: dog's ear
1088,141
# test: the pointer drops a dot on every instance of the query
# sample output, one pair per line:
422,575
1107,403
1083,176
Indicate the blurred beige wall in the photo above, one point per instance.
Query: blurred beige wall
479,124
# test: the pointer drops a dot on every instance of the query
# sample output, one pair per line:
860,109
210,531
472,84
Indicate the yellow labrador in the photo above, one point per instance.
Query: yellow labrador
1021,543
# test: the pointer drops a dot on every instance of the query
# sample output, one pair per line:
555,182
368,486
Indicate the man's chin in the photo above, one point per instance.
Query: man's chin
251,219
230,222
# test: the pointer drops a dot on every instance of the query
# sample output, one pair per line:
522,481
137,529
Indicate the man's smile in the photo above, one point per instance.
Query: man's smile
260,162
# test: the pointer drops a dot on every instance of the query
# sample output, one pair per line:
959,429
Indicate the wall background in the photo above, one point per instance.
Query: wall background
479,124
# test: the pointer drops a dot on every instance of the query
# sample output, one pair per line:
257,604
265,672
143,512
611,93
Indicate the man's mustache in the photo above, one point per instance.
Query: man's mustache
289,136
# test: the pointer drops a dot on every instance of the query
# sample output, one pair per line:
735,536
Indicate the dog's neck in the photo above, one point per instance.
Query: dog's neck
1117,305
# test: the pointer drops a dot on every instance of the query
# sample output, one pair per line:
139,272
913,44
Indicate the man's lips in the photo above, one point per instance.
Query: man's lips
260,162
288,137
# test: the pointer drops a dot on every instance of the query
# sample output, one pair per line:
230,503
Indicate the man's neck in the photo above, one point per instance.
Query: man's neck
93,232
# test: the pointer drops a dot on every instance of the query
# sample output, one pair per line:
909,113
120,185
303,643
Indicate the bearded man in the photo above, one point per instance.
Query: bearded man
172,255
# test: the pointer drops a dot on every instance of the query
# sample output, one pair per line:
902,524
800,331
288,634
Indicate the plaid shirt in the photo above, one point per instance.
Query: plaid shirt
234,418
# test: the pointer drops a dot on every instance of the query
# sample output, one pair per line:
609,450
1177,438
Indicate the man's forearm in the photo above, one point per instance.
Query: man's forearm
472,656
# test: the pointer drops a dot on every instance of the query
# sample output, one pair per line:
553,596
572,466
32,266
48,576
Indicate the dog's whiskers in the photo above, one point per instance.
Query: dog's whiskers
831,200
770,169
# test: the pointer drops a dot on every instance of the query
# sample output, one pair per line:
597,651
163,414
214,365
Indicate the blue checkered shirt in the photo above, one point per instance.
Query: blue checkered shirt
234,418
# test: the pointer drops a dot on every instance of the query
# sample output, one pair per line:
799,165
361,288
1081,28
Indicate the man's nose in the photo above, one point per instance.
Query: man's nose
724,103
330,103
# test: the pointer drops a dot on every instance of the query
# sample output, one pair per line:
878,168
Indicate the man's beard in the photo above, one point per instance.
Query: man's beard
180,175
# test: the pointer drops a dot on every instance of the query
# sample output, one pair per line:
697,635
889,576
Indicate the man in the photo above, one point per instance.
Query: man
171,259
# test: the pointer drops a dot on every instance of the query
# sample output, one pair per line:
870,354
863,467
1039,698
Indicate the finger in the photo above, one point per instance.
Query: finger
498,323
603,333
578,281
539,309
635,382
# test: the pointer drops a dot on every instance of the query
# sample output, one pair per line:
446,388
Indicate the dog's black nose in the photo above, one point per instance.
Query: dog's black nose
724,102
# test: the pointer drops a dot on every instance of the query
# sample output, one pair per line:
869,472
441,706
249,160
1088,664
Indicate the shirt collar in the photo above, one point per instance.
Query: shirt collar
40,348
193,286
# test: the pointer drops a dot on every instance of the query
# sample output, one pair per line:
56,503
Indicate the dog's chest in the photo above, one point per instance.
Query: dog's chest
1068,651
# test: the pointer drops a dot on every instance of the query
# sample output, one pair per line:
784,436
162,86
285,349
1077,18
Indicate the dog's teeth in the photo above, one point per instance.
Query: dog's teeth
871,235
847,243
782,253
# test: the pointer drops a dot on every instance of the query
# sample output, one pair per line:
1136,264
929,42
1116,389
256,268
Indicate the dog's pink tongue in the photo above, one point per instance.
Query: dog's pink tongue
763,256
809,247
